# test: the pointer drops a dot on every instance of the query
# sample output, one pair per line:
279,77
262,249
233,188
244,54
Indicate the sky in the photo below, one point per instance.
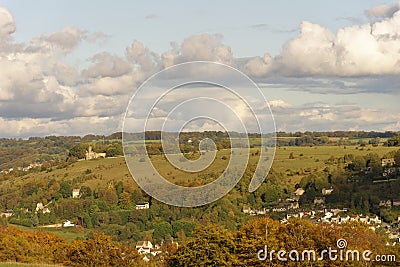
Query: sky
70,67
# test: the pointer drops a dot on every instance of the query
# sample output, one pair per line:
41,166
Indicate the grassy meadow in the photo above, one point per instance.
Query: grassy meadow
99,173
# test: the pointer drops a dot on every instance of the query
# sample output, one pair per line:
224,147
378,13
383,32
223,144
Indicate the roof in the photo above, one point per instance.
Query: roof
143,243
300,191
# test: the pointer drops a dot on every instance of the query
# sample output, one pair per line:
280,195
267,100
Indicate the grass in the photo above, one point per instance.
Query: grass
313,158
103,171
68,234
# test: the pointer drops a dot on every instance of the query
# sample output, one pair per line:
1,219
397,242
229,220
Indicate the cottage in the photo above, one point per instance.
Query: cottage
68,224
261,212
40,207
292,215
299,191
7,213
246,209
143,206
375,220
388,162
144,247
364,219
396,203
319,200
327,191
294,205
385,203
76,193
155,252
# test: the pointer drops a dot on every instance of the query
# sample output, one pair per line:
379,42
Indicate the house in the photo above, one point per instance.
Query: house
76,193
155,252
145,258
385,203
42,208
375,220
93,155
144,247
68,224
299,191
292,215
345,219
364,219
327,191
319,200
246,209
261,212
396,203
294,205
143,206
7,214
388,162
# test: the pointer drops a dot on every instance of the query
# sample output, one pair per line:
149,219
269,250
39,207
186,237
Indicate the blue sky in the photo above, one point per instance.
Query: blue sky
249,28
70,67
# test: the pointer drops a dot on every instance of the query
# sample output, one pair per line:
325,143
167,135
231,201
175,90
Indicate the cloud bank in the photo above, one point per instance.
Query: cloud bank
41,93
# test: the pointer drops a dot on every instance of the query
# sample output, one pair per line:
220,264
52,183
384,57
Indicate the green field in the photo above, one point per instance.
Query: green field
98,173
68,234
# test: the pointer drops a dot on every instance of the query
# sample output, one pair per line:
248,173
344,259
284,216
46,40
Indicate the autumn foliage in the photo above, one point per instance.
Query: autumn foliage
42,247
213,245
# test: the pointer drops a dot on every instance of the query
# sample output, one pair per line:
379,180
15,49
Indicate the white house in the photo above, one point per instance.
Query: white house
42,208
299,191
68,224
143,206
246,209
375,220
319,200
388,162
144,247
327,191
155,252
76,193
7,214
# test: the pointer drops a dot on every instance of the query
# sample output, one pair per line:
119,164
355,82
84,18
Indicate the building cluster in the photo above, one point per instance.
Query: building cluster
90,154
24,169
291,203
147,249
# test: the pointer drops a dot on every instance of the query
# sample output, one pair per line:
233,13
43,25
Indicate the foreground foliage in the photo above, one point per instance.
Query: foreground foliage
213,245
43,247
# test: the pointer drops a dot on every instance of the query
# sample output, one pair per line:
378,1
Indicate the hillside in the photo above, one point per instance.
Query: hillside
108,195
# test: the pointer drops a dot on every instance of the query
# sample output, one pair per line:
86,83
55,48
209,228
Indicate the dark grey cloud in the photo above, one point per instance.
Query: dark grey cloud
383,11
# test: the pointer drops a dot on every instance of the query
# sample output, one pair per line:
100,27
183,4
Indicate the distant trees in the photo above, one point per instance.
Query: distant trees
397,157
78,151
394,141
